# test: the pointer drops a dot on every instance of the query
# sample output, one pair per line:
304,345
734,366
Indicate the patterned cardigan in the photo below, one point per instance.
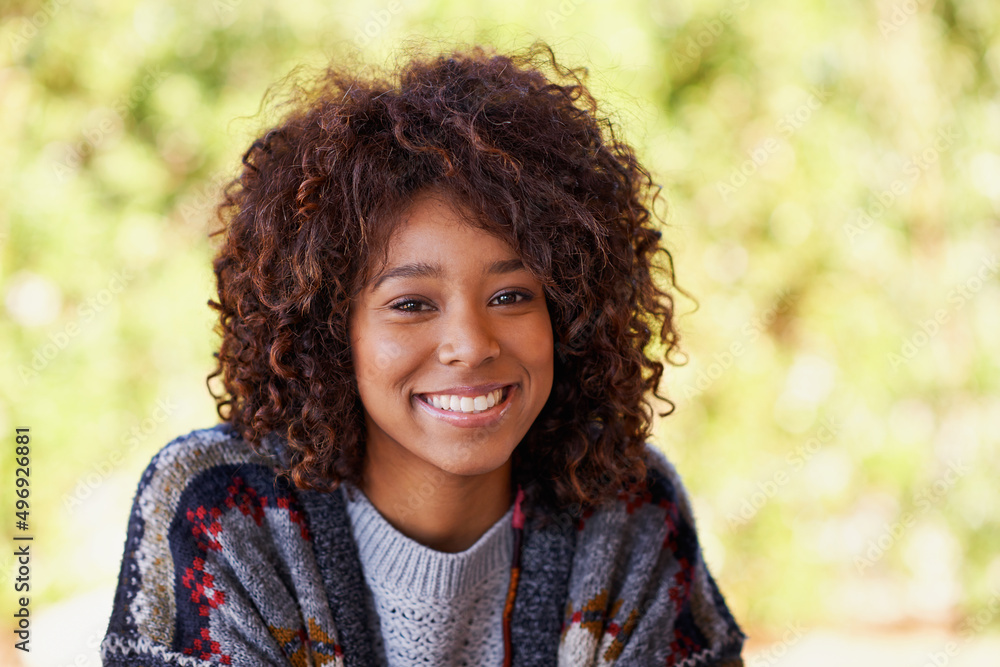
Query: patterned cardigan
227,563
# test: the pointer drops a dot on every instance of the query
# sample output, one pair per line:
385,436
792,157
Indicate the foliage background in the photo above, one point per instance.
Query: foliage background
832,180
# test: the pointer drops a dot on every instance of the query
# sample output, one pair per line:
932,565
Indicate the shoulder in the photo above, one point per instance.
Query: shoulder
664,487
212,525
661,497
196,478
640,586
658,509
195,459
200,450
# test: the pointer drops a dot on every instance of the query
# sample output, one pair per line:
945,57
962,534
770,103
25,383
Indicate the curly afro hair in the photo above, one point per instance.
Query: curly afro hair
516,139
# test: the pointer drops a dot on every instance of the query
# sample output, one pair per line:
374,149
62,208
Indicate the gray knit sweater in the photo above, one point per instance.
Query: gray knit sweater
227,563
430,606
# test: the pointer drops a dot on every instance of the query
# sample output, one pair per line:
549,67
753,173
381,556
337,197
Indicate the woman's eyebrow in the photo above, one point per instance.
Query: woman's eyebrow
425,270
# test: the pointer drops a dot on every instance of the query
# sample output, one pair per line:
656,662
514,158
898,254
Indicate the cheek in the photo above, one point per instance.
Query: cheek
382,357
536,346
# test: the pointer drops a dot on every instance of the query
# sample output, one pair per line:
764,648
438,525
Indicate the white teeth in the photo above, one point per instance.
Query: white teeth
467,404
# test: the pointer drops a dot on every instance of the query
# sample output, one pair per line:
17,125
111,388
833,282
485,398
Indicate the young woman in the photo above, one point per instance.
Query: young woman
436,301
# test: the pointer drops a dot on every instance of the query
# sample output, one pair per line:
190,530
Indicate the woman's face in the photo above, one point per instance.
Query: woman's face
452,346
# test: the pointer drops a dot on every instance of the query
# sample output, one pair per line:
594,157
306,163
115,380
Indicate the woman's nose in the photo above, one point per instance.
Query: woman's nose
468,338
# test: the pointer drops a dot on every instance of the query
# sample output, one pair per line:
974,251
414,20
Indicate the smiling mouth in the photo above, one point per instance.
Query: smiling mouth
469,405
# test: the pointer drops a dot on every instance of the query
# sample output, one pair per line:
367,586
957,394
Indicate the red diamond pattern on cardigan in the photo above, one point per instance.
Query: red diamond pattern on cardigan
202,585
246,499
204,595
296,517
206,527
634,500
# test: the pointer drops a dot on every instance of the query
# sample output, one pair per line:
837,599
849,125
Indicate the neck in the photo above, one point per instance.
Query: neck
440,510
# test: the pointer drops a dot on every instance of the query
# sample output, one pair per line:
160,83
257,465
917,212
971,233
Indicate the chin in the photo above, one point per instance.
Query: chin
478,462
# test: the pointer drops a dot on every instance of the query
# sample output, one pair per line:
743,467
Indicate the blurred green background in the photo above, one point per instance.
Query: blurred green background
832,187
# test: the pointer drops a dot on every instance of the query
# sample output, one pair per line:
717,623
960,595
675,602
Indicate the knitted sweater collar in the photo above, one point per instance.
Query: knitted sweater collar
546,558
398,563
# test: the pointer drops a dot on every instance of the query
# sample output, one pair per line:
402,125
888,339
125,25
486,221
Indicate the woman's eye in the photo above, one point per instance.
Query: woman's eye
408,306
510,298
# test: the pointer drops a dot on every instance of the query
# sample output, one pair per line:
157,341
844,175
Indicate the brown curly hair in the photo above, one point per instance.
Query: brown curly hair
516,139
